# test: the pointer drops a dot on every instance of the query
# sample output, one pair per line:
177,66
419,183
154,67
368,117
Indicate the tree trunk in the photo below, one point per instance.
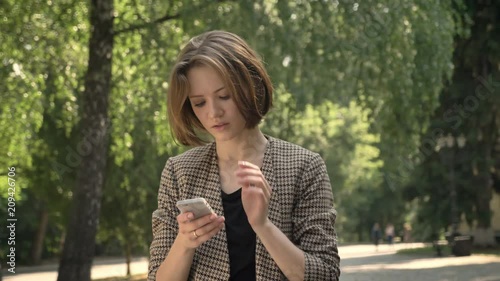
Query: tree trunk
128,256
483,234
36,250
360,228
61,244
483,198
79,247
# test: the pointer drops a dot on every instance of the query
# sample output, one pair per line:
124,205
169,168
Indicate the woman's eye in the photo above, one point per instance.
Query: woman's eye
199,104
224,97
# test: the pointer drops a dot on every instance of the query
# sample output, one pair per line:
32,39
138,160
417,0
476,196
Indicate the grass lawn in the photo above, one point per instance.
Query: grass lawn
139,277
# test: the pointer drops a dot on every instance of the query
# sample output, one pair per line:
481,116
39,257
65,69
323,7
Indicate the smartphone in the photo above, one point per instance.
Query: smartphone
198,206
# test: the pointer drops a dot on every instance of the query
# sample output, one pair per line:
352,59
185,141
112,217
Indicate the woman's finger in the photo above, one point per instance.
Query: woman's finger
258,182
198,223
245,164
258,190
184,217
207,236
204,230
243,172
203,221
248,169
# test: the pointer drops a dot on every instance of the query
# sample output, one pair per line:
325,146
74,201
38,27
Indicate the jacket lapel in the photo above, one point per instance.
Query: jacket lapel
266,267
208,186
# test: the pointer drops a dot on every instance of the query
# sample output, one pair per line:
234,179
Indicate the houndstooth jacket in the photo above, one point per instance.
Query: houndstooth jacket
301,206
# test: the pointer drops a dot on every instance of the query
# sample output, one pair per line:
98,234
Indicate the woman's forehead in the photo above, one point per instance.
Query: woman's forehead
204,80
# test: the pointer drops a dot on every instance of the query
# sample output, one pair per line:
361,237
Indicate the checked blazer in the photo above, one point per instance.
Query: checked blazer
301,206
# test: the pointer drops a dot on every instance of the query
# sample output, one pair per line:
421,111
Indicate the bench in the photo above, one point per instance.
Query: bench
438,246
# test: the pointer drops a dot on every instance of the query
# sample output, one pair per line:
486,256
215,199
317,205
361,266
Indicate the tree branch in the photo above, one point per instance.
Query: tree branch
162,19
146,24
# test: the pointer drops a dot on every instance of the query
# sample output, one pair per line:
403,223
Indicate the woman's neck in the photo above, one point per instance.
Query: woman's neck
247,147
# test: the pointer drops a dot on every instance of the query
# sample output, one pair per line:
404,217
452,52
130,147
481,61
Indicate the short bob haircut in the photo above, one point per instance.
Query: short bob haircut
239,67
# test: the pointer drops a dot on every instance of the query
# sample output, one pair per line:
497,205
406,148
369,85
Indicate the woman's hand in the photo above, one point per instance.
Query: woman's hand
255,193
193,233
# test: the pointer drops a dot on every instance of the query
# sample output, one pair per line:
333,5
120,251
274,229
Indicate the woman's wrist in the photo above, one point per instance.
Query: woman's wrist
181,248
262,228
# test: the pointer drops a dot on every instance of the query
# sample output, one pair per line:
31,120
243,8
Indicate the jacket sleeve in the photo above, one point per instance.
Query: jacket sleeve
164,220
314,223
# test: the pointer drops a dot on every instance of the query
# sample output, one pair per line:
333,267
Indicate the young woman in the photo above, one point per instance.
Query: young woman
273,200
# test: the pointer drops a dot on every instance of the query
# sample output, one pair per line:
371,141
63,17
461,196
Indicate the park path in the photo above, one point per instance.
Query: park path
359,263
102,268
363,263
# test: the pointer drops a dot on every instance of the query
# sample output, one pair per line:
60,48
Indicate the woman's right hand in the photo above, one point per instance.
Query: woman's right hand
194,232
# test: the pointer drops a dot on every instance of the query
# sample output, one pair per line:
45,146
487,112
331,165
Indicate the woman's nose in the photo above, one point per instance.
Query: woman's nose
215,110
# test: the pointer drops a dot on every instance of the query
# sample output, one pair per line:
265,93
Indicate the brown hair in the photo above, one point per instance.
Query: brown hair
239,67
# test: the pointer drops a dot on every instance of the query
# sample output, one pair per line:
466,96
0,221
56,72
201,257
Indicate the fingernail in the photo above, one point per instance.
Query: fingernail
190,216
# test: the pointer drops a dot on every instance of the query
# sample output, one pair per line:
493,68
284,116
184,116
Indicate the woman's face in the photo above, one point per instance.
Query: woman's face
214,105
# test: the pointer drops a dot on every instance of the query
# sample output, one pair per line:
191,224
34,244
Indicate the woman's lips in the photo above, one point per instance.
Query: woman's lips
220,126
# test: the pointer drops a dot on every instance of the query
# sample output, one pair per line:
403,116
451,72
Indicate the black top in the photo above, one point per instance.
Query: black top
241,238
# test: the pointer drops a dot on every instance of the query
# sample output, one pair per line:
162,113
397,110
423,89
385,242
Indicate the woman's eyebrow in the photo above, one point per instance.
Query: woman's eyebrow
200,96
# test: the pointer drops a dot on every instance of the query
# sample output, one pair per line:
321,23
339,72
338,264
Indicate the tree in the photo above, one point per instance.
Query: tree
79,246
42,74
468,110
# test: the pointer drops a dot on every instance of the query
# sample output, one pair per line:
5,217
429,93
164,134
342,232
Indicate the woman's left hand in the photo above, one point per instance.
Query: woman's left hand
255,193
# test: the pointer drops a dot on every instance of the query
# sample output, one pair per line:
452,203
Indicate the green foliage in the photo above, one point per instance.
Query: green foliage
392,57
341,135
355,82
43,62
468,110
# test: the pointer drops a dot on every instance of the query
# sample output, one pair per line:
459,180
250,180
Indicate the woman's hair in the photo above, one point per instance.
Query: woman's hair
241,71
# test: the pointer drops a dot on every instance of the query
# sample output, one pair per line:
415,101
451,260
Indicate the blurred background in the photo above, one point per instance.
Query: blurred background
400,97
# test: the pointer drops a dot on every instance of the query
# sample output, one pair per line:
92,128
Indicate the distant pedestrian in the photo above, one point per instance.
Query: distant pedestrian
389,233
407,233
376,234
